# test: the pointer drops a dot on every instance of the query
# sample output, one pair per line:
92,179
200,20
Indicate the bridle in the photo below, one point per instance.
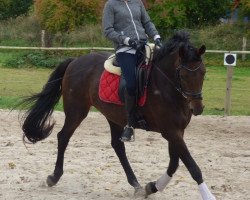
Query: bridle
178,85
192,95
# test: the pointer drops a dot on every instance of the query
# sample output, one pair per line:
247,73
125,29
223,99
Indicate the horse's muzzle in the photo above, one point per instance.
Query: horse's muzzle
196,107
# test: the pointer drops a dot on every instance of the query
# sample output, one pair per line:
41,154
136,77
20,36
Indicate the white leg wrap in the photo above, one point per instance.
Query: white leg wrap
205,193
162,182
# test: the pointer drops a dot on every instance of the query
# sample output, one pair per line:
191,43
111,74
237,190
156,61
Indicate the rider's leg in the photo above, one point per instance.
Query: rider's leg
128,63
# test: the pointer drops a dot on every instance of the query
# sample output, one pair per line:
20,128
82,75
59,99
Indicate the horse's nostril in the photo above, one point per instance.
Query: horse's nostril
196,110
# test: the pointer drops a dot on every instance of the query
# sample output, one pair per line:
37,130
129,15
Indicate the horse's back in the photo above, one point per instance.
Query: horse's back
81,79
86,67
86,63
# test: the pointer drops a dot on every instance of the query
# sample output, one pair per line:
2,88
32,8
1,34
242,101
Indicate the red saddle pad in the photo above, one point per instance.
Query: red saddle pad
108,89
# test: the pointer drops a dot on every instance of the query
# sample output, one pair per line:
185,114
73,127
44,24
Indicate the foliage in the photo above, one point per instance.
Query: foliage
200,12
167,14
21,31
36,58
14,8
173,14
66,15
245,8
220,37
25,31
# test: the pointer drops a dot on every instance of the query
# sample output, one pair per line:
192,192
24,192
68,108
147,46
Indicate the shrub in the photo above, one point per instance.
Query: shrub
35,59
64,16
245,8
21,31
167,14
201,13
175,14
14,8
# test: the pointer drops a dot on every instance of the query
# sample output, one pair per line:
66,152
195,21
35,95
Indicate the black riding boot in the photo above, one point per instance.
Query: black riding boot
128,132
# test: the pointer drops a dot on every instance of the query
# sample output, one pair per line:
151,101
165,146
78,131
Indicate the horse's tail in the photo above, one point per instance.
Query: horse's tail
35,126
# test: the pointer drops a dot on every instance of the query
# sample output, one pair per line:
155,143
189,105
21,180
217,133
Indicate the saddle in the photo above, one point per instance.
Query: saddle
142,73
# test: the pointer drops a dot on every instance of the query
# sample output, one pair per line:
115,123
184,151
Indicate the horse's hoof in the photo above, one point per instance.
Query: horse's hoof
51,180
139,192
150,189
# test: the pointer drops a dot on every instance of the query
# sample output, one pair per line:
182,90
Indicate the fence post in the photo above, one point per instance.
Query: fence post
228,89
244,48
230,62
43,38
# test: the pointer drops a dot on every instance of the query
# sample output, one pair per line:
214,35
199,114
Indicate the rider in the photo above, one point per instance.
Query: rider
125,23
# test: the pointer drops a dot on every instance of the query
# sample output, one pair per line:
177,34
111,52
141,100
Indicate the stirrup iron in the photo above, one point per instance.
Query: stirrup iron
128,134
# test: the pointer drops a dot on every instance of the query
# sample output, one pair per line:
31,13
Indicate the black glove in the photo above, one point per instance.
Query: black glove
158,42
132,43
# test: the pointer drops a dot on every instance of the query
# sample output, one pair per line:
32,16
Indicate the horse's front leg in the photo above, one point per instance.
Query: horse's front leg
178,149
193,169
163,181
119,148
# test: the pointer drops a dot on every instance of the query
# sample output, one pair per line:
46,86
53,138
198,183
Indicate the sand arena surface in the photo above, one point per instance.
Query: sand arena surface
220,146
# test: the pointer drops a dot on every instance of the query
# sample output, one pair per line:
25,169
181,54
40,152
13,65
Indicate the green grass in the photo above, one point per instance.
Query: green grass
5,55
21,82
215,91
18,83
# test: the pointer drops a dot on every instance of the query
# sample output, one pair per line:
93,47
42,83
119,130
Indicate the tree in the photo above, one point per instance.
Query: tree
200,12
175,14
167,14
244,7
66,15
14,8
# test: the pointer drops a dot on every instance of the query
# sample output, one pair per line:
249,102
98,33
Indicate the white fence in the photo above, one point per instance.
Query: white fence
57,48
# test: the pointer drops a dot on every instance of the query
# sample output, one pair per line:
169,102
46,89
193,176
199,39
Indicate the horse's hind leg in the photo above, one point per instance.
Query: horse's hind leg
120,151
72,120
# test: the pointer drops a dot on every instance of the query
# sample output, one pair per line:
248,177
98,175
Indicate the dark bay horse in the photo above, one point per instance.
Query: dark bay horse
174,93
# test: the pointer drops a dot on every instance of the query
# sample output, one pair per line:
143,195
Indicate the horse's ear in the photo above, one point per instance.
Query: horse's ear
202,50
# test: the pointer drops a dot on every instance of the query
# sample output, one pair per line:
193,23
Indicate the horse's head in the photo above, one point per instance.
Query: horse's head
190,75
181,64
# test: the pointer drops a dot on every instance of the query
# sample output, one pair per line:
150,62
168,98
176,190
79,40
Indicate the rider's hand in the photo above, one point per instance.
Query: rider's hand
158,42
132,43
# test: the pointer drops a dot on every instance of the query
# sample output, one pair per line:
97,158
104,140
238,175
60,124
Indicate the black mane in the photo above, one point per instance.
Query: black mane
179,39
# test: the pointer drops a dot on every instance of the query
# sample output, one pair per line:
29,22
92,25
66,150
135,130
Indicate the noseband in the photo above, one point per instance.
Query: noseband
192,95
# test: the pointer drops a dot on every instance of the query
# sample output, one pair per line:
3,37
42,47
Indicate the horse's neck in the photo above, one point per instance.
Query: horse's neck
164,82
164,72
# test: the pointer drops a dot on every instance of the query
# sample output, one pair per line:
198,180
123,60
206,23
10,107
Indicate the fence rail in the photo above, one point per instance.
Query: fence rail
97,48
57,48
